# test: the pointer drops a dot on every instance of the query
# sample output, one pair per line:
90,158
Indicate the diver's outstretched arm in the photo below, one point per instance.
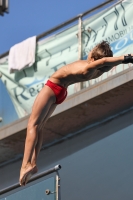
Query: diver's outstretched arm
107,63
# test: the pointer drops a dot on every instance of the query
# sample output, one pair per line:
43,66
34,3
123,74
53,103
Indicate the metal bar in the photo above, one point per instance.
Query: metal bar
65,23
80,43
4,54
57,28
97,7
58,187
80,39
17,185
73,19
57,183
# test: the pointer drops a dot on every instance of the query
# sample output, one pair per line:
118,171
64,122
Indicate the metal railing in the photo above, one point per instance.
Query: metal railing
40,175
78,17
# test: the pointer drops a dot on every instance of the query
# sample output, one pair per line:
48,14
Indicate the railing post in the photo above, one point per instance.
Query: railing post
80,38
58,192
1,77
80,45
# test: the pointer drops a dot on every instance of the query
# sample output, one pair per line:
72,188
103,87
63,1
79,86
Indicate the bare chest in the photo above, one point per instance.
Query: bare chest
84,76
72,74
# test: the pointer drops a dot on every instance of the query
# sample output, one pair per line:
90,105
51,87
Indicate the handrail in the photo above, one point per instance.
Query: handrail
66,23
40,175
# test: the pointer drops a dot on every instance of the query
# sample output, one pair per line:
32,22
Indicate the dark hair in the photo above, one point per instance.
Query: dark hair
101,50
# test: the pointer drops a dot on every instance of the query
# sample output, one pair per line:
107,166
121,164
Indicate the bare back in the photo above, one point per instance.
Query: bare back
72,73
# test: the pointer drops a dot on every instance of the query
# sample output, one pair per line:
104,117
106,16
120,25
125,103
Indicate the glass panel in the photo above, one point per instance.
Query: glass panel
35,192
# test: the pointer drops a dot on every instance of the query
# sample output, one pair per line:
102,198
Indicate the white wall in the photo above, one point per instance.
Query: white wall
96,164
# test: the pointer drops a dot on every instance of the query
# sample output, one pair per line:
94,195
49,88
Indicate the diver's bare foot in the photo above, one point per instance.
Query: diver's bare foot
26,173
34,169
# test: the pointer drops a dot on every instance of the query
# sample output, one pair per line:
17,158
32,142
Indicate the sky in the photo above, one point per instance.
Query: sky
28,18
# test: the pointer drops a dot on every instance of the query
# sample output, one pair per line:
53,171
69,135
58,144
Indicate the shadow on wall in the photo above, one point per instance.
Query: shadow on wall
75,142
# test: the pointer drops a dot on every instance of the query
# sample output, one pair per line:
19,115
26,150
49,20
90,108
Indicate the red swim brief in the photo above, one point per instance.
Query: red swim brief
60,91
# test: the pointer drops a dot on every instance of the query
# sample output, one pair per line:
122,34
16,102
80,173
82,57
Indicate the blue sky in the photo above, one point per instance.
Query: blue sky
28,18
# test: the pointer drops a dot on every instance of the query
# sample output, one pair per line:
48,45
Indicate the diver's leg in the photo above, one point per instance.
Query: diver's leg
40,135
44,101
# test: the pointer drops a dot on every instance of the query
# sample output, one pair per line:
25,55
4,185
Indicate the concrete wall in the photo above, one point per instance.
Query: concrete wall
96,163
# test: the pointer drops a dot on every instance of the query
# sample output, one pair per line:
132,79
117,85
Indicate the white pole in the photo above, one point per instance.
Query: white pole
80,44
80,39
